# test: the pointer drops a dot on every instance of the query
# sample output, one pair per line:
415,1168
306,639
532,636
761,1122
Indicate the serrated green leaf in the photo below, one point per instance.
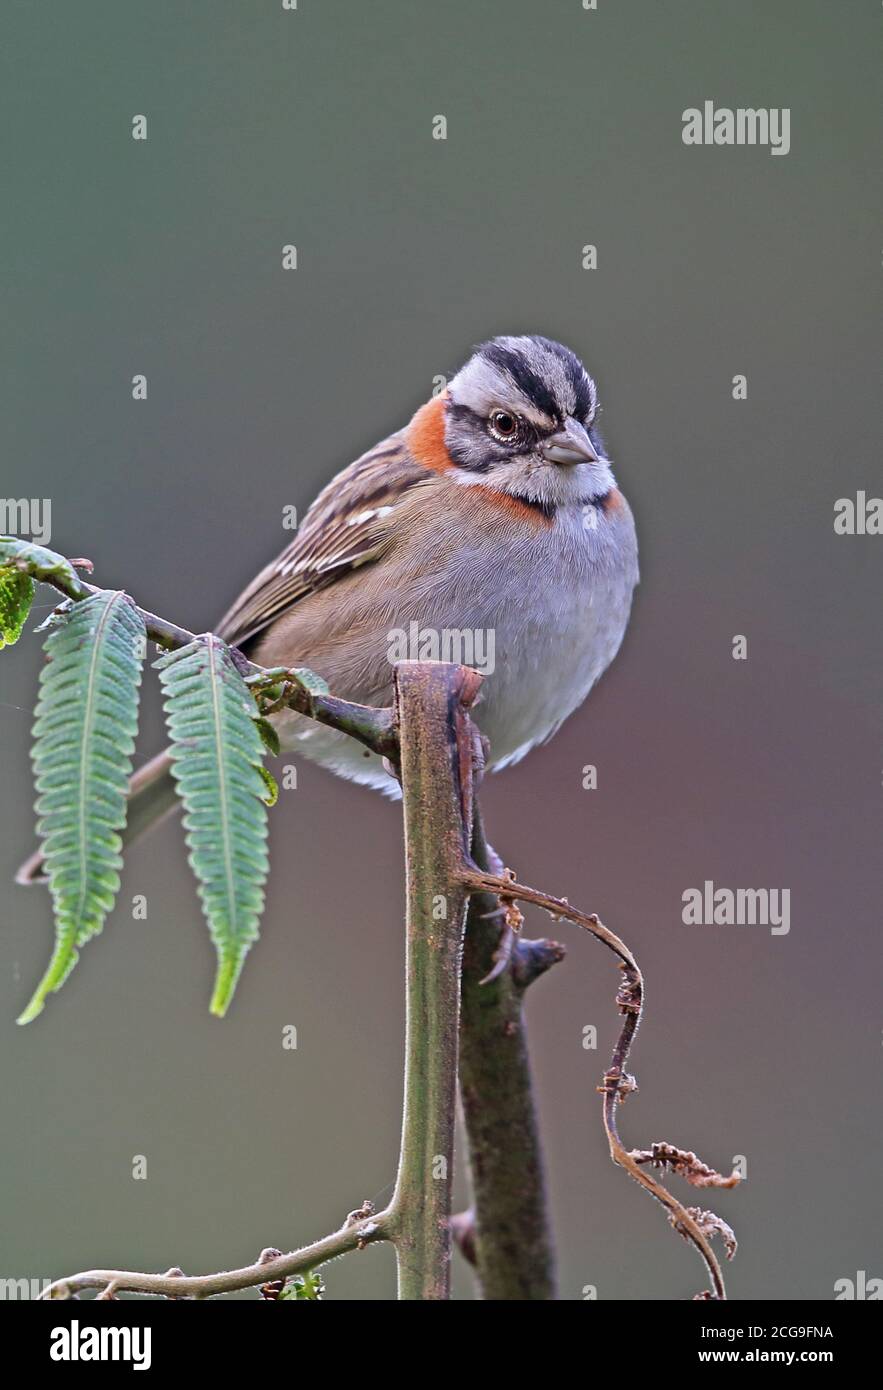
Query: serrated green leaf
216,762
84,738
302,1288
266,674
269,736
39,562
315,684
16,596
271,787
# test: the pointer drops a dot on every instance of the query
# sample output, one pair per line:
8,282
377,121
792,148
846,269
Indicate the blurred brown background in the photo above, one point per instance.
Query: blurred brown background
314,127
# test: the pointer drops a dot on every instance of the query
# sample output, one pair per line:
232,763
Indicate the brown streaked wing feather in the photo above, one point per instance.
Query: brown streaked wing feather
332,540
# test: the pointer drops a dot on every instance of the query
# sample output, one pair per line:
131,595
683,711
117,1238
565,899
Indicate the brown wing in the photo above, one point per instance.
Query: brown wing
347,525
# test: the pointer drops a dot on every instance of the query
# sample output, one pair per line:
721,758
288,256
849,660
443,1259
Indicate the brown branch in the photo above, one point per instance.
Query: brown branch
375,728
436,760
695,1227
509,1238
351,1236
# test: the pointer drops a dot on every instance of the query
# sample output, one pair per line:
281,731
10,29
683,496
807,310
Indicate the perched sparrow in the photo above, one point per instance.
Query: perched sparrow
494,512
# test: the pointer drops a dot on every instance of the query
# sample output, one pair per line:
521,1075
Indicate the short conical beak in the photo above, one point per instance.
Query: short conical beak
570,445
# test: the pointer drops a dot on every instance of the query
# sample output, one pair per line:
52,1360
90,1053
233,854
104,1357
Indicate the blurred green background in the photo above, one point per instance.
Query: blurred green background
314,127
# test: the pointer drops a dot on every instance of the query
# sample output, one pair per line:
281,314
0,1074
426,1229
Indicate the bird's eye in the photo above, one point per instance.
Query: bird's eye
504,425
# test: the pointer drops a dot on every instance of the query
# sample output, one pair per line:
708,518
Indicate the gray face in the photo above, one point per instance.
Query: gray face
521,417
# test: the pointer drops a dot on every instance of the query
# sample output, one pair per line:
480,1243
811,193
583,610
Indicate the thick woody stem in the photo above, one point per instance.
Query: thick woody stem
514,1254
436,761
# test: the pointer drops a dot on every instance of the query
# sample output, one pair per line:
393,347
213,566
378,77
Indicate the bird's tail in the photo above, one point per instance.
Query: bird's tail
151,798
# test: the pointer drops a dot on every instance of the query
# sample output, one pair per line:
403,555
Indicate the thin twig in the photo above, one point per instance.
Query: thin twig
351,1236
617,1082
375,728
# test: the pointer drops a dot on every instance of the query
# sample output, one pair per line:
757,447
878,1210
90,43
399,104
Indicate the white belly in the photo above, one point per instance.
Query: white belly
545,669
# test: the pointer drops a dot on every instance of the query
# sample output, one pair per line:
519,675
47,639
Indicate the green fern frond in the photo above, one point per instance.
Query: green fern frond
216,762
84,737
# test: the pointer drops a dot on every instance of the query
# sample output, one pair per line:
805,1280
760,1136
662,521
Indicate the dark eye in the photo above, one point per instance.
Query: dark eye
504,425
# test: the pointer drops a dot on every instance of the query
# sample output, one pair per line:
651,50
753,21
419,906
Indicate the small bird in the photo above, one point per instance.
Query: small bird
494,512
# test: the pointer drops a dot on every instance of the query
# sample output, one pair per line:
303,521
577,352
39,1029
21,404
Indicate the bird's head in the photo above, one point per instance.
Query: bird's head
520,417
